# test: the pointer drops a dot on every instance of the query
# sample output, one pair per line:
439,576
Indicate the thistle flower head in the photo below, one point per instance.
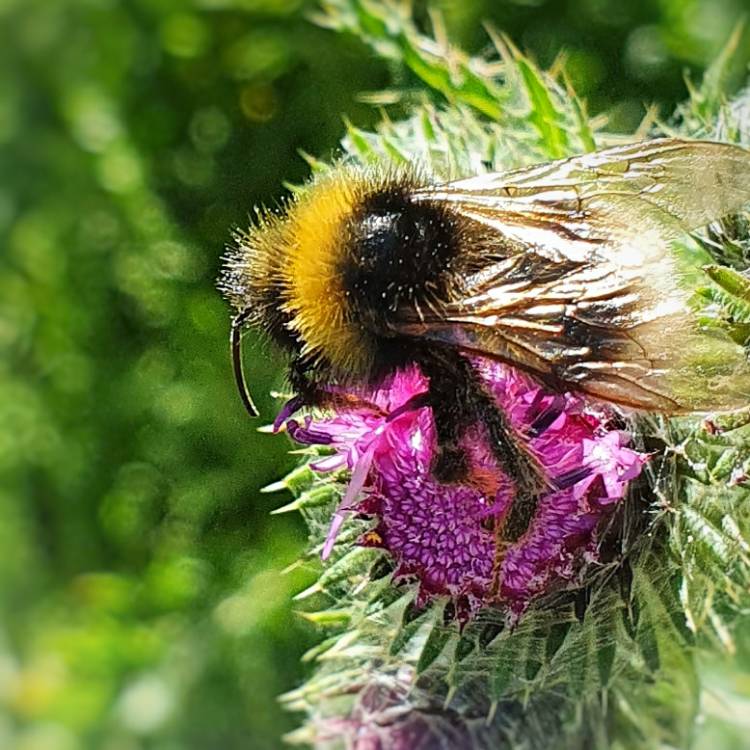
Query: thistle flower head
442,535
385,717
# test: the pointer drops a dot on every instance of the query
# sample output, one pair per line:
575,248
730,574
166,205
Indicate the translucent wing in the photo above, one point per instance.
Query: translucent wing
696,182
588,273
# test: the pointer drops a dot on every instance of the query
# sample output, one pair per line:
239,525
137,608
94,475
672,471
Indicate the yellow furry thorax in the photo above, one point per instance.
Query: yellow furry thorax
316,299
302,253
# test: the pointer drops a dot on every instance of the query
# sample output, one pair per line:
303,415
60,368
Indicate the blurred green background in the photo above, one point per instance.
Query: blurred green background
142,600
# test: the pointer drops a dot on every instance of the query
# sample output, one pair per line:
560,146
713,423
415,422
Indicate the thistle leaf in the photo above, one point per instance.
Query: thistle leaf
436,642
544,115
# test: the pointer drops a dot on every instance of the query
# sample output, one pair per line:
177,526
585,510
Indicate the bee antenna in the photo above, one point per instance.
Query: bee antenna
235,342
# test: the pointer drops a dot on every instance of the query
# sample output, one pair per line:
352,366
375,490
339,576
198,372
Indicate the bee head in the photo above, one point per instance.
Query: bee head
327,277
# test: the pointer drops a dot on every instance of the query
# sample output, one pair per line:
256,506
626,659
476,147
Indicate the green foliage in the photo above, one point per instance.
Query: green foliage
143,601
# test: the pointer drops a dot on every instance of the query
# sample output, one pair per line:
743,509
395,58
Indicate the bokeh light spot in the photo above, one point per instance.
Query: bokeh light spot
209,129
242,611
259,102
645,51
145,704
120,170
263,54
185,35
93,120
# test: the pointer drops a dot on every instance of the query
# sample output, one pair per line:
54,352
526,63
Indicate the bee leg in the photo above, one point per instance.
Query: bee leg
460,400
451,464
501,547
310,393
512,454
526,474
529,479
451,414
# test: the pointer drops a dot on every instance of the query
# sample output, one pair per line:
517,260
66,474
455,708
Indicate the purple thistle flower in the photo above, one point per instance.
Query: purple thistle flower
441,535
385,718
389,710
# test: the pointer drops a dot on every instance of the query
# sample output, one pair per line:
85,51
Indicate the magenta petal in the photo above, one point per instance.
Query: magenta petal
329,463
359,477
290,407
440,536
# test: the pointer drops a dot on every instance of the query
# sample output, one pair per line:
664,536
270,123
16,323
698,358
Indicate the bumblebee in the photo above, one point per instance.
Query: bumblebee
581,272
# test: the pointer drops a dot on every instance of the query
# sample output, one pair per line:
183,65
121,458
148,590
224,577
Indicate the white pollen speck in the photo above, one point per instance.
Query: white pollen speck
600,454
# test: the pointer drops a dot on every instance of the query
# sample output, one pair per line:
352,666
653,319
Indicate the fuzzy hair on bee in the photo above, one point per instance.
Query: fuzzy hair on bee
580,272
329,277
329,281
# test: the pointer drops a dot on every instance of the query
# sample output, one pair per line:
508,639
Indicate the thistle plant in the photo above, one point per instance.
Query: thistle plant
620,619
